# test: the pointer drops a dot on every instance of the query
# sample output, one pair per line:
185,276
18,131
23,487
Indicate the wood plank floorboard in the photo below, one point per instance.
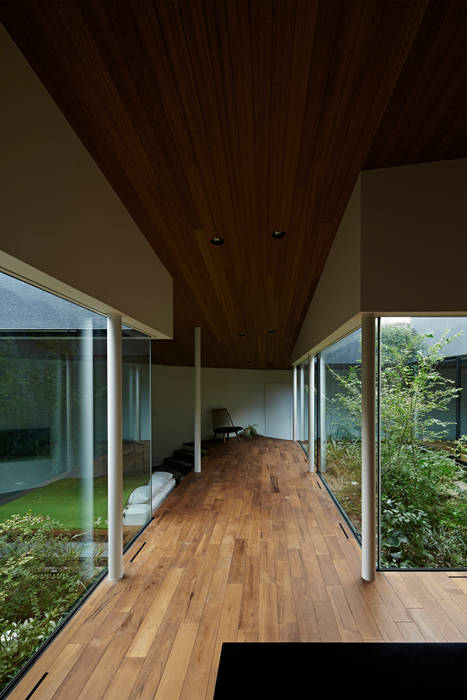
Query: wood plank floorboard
248,550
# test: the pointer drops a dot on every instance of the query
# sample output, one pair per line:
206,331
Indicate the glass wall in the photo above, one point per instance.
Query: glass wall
423,478
340,423
53,460
302,404
422,445
53,490
137,488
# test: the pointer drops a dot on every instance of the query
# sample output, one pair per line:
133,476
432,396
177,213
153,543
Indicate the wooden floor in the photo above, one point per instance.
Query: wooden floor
249,550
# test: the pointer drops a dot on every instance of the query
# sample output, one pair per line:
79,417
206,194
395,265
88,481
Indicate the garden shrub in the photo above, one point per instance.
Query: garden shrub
423,509
42,576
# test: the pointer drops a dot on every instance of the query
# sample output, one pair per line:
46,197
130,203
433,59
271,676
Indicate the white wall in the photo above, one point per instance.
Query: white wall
241,391
62,226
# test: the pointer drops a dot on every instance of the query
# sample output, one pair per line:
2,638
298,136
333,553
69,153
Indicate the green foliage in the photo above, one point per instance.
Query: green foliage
42,576
18,641
413,393
343,475
250,431
423,508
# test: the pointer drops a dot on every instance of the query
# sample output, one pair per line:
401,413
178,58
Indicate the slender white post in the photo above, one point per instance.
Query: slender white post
197,399
323,437
294,404
311,413
302,402
114,438
368,449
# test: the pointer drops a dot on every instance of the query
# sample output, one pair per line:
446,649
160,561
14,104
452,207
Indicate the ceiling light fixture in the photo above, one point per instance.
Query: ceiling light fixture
217,240
278,234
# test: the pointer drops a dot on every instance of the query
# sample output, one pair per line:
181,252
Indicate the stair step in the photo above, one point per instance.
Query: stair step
177,460
177,474
184,467
184,455
189,447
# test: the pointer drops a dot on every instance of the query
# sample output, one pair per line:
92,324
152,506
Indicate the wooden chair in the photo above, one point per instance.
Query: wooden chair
223,424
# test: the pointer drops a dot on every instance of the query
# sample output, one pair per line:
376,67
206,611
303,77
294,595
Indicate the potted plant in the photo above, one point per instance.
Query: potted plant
250,431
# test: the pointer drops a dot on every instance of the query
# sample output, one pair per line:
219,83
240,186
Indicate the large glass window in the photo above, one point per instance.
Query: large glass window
53,470
340,423
53,460
423,478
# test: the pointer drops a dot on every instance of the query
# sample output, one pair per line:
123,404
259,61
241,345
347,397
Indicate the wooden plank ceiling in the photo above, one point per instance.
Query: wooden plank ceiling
236,119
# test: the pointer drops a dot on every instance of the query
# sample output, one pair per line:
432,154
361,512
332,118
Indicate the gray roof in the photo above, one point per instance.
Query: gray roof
25,307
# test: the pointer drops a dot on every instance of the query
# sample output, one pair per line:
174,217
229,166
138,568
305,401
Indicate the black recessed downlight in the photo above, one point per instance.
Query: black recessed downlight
278,234
273,330
217,240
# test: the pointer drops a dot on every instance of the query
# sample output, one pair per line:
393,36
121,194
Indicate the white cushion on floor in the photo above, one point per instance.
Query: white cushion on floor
160,478
137,510
139,495
136,514
159,495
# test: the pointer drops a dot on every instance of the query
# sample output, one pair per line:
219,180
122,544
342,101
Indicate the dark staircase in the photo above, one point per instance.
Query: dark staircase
181,463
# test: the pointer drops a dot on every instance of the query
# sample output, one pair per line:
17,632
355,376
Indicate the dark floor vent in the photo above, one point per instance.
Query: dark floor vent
340,525
137,552
36,686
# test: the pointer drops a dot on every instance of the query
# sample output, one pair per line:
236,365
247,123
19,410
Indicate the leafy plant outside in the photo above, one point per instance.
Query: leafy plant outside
423,496
43,575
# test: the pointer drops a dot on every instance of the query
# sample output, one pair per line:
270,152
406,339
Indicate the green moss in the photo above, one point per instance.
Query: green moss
61,500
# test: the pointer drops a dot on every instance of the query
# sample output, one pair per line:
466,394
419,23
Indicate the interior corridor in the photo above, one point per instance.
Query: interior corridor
251,549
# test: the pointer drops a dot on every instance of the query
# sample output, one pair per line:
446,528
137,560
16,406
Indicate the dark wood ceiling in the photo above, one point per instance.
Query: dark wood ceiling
235,119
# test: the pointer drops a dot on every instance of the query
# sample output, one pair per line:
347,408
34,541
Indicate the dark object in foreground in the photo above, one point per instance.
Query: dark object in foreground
296,670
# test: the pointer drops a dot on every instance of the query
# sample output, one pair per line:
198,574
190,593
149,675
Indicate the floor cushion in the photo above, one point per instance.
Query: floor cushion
139,495
136,514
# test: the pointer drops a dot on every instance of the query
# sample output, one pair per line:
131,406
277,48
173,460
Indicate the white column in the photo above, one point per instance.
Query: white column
322,414
115,459
302,402
197,425
294,404
311,413
368,449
